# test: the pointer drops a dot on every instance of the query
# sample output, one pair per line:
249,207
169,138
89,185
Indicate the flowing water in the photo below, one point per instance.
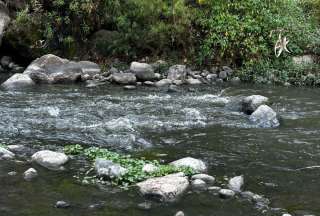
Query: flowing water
282,164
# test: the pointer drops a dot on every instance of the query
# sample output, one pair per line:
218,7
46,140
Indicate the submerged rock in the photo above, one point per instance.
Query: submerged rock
143,71
106,168
251,103
18,81
165,189
196,164
52,69
236,183
226,193
50,159
177,72
6,154
204,177
124,78
265,117
30,174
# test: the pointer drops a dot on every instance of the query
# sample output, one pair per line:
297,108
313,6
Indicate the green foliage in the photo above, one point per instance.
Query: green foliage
134,166
246,31
281,72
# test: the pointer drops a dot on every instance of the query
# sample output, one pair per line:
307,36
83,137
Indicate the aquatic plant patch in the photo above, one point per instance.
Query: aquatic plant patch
134,166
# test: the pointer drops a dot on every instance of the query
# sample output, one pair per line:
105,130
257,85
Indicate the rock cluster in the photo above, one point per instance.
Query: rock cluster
51,69
260,114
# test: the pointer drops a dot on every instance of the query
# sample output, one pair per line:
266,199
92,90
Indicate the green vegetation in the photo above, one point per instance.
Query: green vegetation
240,33
3,146
134,166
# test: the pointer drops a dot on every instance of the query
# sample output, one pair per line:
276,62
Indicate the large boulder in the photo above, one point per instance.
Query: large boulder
165,189
196,164
251,103
265,117
50,159
6,154
143,71
106,168
177,72
52,69
4,19
18,81
124,78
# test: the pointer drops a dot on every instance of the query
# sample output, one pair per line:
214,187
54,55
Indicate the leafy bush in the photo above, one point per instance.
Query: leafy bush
134,166
244,31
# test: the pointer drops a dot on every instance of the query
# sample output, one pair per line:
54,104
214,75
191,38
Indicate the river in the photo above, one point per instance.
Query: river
201,122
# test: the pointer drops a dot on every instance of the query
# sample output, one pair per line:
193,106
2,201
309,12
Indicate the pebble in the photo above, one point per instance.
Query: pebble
145,205
12,173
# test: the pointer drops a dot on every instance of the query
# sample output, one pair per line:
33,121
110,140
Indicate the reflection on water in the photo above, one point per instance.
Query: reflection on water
282,163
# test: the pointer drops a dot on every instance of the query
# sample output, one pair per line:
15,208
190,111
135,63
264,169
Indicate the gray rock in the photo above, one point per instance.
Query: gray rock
6,154
305,59
62,204
165,189
228,70
192,81
179,213
50,159
226,193
286,214
211,77
30,174
4,19
177,72
143,71
124,78
149,168
196,164
177,82
236,183
251,103
214,189
157,76
148,83
223,75
265,117
198,185
210,180
52,69
18,81
106,168
129,87
163,82
6,60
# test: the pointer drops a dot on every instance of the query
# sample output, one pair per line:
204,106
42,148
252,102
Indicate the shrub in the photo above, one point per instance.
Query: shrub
244,31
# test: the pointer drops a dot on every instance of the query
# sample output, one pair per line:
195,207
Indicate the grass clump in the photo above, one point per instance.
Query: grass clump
134,166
